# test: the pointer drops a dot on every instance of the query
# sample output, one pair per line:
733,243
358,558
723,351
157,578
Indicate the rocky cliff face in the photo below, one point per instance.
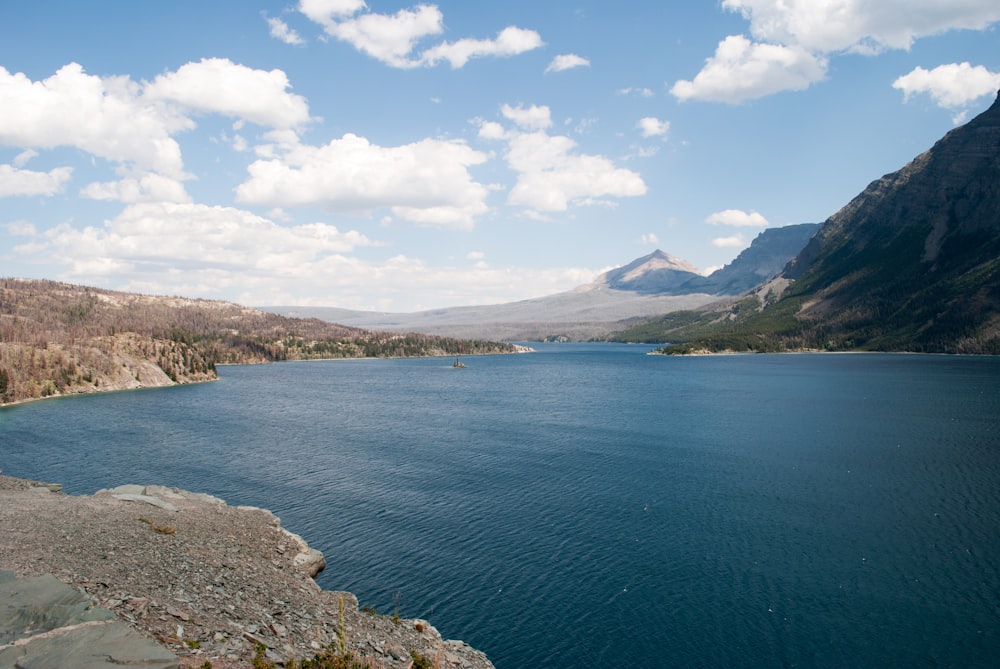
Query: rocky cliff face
914,260
765,258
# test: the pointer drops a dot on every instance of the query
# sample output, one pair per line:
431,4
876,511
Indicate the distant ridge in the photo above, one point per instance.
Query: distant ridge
654,284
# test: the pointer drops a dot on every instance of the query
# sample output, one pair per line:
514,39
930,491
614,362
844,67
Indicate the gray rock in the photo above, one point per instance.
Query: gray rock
102,646
40,604
45,623
147,499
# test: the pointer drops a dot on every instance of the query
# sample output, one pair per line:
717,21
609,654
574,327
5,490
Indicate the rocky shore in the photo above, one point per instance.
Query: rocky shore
205,581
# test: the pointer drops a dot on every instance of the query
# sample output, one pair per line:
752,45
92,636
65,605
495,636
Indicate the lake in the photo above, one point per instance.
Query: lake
591,505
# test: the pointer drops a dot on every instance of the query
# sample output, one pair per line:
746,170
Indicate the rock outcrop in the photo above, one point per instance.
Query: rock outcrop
203,580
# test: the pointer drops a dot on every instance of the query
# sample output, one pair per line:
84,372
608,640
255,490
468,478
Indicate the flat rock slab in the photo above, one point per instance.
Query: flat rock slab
45,623
29,606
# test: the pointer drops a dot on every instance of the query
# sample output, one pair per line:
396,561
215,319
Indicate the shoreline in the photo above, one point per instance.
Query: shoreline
205,580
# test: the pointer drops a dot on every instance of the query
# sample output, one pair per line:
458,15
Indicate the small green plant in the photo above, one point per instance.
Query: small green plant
193,644
259,661
419,661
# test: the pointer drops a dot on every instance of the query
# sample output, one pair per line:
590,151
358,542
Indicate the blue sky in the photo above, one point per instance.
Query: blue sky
399,156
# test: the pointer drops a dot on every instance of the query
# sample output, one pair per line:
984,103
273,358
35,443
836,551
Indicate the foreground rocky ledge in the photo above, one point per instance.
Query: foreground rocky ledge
204,580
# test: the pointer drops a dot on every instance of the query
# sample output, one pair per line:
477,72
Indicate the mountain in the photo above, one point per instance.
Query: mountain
910,264
655,274
765,258
653,284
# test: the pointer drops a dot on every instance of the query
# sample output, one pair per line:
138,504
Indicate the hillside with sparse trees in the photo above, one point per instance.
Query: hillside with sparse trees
58,339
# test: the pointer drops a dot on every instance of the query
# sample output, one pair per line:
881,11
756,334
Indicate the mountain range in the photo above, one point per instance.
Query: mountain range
910,264
651,285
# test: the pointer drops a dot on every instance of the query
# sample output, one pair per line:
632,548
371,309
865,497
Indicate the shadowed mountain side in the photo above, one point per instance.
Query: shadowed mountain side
910,264
765,258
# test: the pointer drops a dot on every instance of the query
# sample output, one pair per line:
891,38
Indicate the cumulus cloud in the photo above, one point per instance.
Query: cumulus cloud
280,31
951,86
103,117
535,117
222,252
510,41
743,70
219,86
14,181
567,61
149,187
857,25
737,218
653,127
734,241
393,38
133,124
160,237
793,39
551,175
426,182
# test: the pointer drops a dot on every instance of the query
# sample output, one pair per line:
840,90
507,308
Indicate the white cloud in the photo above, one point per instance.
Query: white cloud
951,86
324,12
510,41
21,229
280,31
641,92
793,40
567,61
23,158
165,237
551,177
14,181
148,187
491,130
735,241
227,253
742,70
133,124
475,255
217,85
534,117
389,38
860,25
104,117
737,218
649,238
393,38
653,127
426,182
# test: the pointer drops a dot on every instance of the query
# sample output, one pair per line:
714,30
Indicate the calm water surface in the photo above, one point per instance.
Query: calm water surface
592,505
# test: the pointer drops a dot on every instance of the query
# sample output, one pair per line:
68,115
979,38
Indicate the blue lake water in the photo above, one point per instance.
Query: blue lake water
592,505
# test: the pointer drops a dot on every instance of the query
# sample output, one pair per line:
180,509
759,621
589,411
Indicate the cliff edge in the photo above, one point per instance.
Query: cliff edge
205,580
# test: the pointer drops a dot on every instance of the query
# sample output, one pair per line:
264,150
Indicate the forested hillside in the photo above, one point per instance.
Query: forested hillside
58,338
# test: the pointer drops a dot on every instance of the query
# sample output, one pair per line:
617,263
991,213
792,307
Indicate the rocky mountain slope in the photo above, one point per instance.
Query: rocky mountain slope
910,264
653,284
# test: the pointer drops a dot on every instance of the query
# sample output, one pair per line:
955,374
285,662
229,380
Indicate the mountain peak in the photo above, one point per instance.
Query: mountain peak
656,273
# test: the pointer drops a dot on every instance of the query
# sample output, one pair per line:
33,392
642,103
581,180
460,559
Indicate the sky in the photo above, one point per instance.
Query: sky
398,156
